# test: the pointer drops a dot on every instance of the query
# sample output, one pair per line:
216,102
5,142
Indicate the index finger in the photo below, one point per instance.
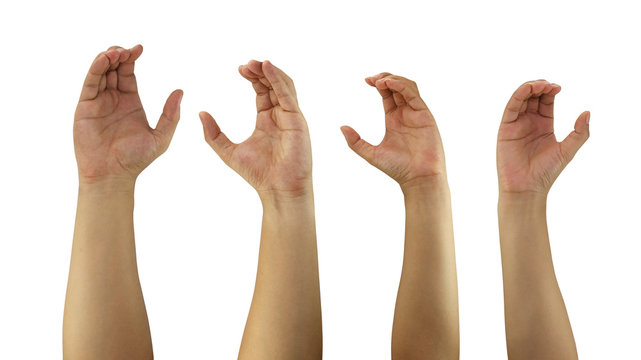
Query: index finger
97,71
516,103
283,87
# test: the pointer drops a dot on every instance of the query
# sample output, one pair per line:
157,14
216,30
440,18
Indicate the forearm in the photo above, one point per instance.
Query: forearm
426,315
537,324
105,314
285,317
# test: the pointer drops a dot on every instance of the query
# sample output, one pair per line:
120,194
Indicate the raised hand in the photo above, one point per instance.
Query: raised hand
113,140
277,156
411,149
284,320
529,158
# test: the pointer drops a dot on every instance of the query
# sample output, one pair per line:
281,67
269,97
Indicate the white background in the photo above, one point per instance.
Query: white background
198,223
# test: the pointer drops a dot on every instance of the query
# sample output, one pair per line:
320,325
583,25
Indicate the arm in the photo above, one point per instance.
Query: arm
529,159
426,315
284,320
105,316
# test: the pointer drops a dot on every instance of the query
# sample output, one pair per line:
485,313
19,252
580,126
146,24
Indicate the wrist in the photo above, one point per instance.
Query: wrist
522,197
107,186
286,198
426,185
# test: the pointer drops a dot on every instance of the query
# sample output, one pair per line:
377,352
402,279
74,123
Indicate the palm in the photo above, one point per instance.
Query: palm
411,148
273,158
529,157
277,156
111,133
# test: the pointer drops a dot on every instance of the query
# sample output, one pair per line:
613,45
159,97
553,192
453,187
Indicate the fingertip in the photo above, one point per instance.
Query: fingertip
113,56
135,53
381,83
351,136
587,117
101,64
204,116
180,95
255,66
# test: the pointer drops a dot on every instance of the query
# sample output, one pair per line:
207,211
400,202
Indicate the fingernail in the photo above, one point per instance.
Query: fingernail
587,119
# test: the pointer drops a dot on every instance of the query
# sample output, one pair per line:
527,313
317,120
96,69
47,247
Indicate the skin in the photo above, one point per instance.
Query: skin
105,316
426,315
284,320
529,159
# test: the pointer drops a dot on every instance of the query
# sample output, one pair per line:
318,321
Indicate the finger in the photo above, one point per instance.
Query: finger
263,101
112,79
169,119
532,104
126,77
546,101
407,89
120,55
360,146
573,142
371,80
386,94
92,84
215,138
517,102
283,87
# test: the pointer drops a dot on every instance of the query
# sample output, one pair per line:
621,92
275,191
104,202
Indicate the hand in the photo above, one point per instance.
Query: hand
112,138
277,157
528,156
411,150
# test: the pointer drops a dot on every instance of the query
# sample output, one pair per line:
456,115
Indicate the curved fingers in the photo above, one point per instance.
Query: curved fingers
282,85
546,101
126,77
517,103
263,99
404,91
94,79
389,104
107,71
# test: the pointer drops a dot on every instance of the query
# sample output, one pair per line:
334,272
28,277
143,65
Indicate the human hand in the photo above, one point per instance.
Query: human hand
529,158
277,157
411,150
112,138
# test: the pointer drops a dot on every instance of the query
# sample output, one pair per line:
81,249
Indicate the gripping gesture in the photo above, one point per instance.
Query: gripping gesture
284,320
426,314
112,137
105,315
411,149
529,158
277,157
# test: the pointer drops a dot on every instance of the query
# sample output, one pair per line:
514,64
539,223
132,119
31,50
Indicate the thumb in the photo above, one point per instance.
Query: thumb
573,142
169,119
215,138
360,146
